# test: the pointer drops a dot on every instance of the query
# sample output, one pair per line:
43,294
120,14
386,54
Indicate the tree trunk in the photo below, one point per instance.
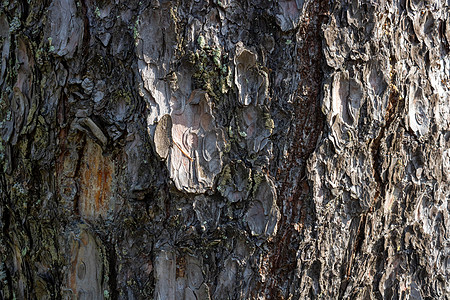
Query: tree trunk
219,149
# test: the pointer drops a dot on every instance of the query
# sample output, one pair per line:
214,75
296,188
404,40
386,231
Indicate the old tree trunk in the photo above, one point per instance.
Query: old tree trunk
224,149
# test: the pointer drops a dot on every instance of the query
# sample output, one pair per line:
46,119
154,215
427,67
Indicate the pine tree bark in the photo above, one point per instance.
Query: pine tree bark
206,149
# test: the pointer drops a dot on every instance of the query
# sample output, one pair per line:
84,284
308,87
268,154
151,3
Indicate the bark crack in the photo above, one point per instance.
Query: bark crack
396,103
76,199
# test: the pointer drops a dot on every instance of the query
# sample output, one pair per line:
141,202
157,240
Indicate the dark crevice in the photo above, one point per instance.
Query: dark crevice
360,234
379,265
57,271
5,203
306,123
112,258
76,200
395,105
343,287
86,34
356,249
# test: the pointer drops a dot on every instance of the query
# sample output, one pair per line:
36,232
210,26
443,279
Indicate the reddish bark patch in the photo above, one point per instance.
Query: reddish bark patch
96,175
181,267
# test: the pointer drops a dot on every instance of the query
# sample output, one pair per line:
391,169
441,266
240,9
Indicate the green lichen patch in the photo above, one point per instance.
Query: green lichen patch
235,181
268,122
211,70
258,178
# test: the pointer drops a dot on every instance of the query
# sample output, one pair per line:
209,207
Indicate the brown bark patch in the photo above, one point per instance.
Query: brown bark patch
96,176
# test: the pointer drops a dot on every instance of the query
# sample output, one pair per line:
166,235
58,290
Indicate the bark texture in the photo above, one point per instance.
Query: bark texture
224,149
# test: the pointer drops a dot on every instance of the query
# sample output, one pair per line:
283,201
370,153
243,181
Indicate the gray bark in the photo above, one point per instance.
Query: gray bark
224,149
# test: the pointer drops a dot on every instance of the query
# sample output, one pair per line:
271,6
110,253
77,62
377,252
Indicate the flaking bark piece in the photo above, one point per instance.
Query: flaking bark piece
252,81
163,136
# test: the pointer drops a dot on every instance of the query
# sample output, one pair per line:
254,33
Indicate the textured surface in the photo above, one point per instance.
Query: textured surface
225,149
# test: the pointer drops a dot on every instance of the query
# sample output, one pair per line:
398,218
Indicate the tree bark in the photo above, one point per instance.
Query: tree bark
219,149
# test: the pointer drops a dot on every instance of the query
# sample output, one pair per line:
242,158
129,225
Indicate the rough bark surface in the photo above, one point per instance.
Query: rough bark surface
224,149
